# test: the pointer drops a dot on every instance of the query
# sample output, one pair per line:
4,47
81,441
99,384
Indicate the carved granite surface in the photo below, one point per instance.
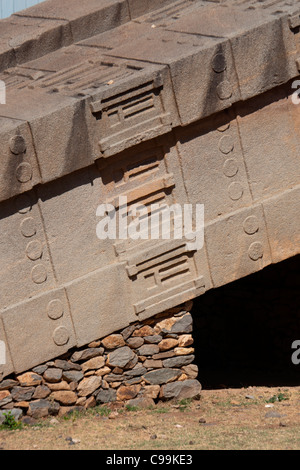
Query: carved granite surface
160,101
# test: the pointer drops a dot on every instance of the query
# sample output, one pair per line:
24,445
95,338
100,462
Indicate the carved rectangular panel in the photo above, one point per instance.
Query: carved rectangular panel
87,75
133,111
163,276
132,168
147,175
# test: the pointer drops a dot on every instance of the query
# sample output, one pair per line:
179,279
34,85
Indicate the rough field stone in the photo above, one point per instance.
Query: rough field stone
127,332
29,379
93,364
170,335
183,351
137,371
64,397
22,393
167,343
54,408
15,412
72,375
165,324
183,325
6,398
4,394
133,381
148,350
143,331
90,403
136,342
153,364
88,385
120,357
191,371
53,375
106,396
131,364
185,340
181,390
151,391
66,365
86,354
113,341
42,391
63,385
128,392
40,369
273,414
155,339
39,409
178,361
161,376
113,378
8,384
164,355
22,404
103,371
141,402
94,344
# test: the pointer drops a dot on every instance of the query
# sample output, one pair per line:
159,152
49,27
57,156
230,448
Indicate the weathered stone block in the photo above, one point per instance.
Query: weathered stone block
283,224
27,269
93,314
53,337
84,20
245,229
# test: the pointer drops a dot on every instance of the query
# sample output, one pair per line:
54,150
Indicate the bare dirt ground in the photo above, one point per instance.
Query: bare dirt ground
248,418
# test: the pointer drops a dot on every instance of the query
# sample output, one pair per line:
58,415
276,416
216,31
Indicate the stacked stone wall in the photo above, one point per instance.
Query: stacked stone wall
140,365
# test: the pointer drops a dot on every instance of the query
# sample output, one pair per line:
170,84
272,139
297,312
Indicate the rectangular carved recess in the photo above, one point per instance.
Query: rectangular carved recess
131,169
14,81
164,275
85,76
79,78
129,117
141,175
163,272
157,191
